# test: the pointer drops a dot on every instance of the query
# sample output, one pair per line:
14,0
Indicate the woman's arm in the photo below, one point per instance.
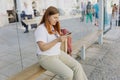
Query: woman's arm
45,46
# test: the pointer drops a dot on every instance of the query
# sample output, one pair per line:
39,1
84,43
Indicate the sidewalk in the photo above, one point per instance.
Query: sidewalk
102,62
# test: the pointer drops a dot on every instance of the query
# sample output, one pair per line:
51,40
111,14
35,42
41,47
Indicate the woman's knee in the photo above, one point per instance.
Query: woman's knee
68,76
77,66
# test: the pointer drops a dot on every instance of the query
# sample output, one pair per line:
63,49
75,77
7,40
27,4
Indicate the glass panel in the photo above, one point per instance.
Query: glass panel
17,47
109,19
107,16
9,50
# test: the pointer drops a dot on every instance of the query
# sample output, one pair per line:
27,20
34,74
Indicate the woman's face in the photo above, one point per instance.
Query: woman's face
53,19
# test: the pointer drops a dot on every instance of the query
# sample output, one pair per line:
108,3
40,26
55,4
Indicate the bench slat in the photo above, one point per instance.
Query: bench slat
29,73
86,41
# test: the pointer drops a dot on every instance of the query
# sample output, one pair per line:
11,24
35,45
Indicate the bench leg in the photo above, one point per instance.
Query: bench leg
83,53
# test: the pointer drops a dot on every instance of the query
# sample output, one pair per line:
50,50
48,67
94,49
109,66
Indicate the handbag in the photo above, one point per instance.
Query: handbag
69,41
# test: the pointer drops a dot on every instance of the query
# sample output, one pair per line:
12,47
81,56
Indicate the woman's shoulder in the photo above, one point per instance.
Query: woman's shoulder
41,26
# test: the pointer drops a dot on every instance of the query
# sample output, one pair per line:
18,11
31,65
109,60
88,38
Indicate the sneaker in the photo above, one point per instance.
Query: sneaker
26,31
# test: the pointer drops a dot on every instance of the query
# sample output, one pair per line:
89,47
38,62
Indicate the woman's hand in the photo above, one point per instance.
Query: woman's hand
62,38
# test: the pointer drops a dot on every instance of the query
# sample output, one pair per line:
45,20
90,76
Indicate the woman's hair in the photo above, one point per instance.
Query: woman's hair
50,11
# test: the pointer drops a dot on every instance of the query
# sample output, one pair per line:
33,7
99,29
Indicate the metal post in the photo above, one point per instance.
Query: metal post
101,20
83,52
118,14
18,9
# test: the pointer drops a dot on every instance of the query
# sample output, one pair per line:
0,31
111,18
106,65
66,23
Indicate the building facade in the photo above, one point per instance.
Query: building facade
4,6
10,6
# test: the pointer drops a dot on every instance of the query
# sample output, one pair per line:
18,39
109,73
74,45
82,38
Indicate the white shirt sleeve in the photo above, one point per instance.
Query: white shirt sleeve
41,34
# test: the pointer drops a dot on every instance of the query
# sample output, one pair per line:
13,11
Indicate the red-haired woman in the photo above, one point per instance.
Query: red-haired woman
48,38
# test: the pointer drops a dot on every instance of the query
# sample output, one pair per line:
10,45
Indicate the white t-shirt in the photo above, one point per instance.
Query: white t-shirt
41,34
28,11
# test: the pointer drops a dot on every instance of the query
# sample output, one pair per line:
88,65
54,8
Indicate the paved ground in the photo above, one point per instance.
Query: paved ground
101,60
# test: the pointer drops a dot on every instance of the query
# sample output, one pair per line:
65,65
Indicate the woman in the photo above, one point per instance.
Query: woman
48,37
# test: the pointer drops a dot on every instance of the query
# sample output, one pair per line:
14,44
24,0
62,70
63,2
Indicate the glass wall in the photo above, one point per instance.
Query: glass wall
109,20
17,47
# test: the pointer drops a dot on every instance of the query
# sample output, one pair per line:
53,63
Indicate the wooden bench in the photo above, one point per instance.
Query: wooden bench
34,71
29,22
30,73
35,20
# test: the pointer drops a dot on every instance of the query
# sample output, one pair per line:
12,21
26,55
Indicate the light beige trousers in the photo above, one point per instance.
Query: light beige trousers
66,67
